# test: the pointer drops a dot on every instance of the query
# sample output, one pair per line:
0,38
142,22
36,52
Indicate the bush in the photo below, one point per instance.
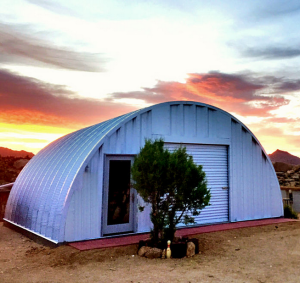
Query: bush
172,183
289,212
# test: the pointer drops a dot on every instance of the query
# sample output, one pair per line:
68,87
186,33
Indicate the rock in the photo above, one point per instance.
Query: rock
290,172
297,168
196,243
190,249
163,255
143,250
153,253
145,243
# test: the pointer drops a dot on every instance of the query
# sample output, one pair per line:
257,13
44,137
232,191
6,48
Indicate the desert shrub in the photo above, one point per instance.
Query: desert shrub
172,183
289,212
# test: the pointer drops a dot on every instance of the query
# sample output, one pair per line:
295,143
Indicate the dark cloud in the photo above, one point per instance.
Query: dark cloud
271,11
18,47
288,86
242,94
281,8
30,101
272,53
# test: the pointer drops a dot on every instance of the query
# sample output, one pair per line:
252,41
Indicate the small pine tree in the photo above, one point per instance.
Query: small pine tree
172,183
150,180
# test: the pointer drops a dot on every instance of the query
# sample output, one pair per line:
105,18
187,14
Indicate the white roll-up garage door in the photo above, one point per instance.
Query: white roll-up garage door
214,160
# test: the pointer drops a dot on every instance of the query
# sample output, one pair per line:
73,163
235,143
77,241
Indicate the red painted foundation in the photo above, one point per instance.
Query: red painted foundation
135,238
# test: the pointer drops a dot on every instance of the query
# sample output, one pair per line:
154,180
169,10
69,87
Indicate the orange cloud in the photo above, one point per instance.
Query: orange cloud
236,93
29,101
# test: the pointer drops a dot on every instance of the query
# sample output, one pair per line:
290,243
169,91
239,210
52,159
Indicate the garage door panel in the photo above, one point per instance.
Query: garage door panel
221,199
214,161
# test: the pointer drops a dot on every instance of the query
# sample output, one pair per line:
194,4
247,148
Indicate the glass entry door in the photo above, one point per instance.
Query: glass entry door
119,197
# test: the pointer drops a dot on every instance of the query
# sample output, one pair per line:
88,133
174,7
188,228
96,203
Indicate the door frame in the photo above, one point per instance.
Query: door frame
117,228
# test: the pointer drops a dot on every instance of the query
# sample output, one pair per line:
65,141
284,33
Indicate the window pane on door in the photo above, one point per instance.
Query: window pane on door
119,192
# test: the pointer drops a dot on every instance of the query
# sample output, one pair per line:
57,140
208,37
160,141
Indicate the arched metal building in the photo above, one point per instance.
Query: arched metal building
76,188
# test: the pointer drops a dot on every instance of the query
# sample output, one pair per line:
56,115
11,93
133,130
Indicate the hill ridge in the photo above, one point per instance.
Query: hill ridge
4,152
285,157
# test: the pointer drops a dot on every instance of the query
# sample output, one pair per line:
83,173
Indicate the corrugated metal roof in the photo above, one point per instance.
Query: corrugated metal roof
38,196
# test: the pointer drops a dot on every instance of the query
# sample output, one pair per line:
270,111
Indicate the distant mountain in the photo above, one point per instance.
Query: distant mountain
284,156
4,152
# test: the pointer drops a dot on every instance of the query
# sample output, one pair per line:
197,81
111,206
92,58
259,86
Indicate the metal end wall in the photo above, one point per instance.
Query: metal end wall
58,195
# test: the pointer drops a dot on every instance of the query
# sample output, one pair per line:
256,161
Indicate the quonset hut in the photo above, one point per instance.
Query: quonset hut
77,188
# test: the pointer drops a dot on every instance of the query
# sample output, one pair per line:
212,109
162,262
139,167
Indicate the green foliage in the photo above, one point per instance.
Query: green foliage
150,179
289,212
172,183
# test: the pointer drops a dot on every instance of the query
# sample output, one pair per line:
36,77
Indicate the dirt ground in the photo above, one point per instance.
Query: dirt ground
261,254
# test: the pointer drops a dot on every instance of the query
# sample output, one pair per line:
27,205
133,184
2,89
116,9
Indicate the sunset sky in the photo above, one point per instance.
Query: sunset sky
69,64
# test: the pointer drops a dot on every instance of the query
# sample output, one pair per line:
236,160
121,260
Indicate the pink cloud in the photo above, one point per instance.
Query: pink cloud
29,101
237,93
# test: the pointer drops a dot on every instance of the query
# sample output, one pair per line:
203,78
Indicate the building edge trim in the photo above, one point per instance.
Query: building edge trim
31,231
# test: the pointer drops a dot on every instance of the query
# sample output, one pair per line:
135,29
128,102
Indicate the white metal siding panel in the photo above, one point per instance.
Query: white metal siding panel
276,200
189,120
161,120
266,190
257,188
212,123
176,119
83,218
215,164
145,125
132,139
202,121
223,125
247,182
235,172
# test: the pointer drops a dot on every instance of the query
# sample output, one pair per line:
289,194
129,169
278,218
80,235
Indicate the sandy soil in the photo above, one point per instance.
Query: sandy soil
261,254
